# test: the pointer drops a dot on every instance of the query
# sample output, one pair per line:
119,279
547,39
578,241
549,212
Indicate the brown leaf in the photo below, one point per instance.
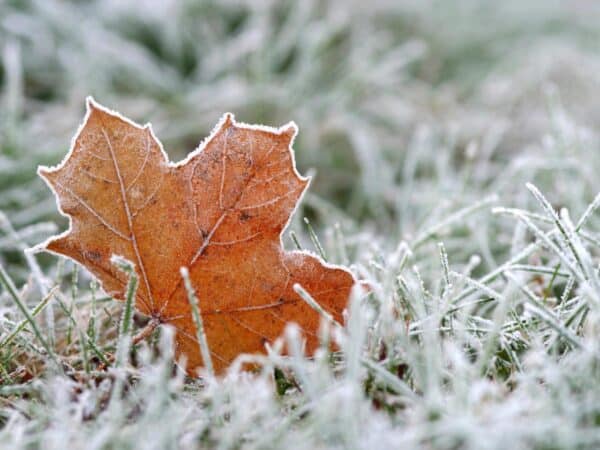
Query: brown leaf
220,212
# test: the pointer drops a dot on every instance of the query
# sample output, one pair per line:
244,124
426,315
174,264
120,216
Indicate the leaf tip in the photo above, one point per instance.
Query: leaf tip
227,120
91,104
289,131
45,173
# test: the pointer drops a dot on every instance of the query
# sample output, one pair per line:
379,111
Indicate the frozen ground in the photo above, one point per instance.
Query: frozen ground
423,122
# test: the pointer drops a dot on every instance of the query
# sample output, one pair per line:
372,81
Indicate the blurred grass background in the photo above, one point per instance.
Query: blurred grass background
363,82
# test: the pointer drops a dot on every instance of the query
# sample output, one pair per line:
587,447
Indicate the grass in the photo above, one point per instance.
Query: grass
455,151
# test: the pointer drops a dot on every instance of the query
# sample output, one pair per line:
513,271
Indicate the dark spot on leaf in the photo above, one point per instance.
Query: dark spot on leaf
93,255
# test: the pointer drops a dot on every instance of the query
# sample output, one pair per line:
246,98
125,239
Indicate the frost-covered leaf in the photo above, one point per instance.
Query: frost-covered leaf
220,213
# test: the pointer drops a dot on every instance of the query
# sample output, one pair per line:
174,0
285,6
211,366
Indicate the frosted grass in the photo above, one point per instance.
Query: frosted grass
455,149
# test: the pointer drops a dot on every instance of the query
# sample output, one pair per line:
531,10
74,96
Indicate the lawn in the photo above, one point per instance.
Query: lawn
455,150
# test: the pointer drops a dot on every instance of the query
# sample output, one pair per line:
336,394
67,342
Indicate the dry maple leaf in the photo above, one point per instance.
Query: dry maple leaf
220,213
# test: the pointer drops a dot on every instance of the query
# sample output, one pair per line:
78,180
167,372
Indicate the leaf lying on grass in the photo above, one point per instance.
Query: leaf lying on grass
219,213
